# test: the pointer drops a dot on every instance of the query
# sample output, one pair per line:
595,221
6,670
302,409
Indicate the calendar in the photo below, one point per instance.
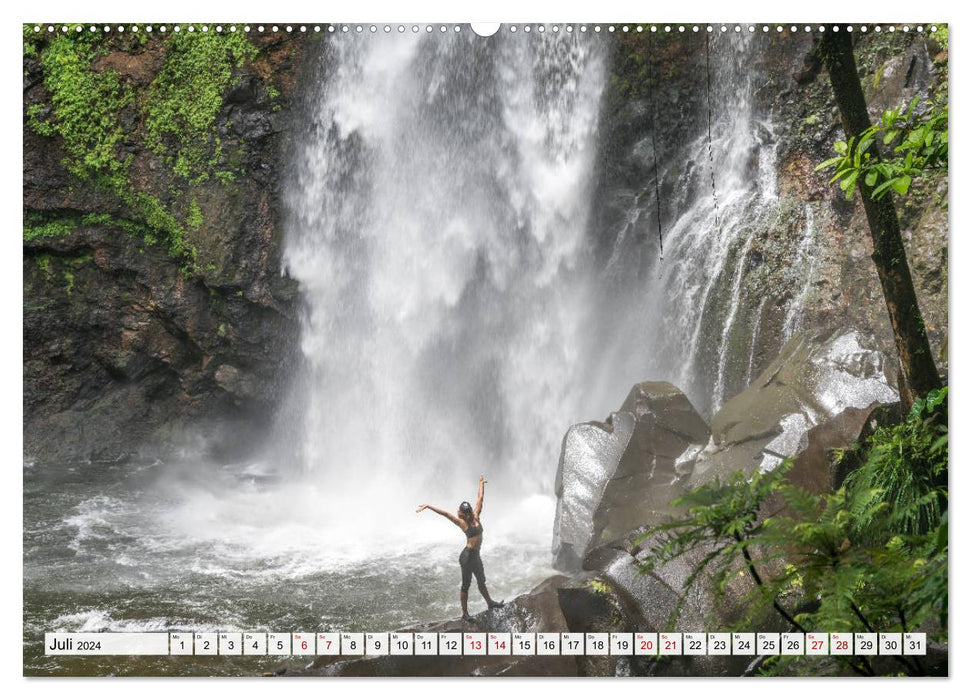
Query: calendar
446,348
475,644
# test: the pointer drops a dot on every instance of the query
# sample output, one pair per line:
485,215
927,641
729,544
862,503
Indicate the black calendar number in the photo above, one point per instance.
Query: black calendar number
451,645
694,645
792,645
719,645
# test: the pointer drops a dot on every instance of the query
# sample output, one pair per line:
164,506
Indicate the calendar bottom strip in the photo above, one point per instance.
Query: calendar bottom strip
485,643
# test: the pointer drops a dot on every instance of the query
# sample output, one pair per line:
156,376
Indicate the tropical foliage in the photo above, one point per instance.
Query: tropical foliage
917,143
869,557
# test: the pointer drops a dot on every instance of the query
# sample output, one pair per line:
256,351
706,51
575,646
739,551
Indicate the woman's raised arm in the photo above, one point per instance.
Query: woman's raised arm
441,512
478,503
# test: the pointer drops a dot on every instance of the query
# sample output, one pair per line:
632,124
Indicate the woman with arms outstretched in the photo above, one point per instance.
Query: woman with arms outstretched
469,560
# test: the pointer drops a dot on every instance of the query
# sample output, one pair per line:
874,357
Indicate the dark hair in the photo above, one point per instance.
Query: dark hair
465,509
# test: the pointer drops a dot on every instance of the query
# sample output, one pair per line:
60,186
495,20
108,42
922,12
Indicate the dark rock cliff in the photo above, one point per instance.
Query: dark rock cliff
155,317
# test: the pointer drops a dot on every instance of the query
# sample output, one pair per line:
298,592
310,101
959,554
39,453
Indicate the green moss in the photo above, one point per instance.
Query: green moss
98,220
186,95
177,114
87,104
69,278
30,40
194,220
878,75
940,36
44,263
48,229
600,587
156,220
37,123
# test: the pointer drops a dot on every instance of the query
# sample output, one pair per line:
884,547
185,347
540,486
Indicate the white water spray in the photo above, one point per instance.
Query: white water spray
438,221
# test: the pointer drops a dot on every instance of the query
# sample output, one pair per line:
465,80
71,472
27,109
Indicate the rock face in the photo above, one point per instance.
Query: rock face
806,266
614,476
127,348
616,479
815,396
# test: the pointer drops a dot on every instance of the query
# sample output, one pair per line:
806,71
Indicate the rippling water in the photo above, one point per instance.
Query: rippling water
202,548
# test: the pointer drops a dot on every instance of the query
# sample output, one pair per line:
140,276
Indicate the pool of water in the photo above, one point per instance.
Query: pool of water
213,548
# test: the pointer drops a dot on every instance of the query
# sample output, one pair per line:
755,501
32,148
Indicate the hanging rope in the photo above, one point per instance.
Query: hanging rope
657,184
711,157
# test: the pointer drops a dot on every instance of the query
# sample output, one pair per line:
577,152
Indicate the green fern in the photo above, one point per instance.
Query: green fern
871,556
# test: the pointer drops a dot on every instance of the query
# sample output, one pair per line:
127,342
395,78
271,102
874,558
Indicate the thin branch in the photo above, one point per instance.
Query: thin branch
758,581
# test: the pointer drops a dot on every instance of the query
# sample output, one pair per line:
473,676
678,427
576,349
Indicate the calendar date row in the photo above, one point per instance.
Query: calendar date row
486,643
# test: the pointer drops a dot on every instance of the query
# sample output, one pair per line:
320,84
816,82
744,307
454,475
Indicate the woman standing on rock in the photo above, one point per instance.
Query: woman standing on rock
469,560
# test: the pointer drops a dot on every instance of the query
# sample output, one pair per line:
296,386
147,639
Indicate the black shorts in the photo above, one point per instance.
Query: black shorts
471,563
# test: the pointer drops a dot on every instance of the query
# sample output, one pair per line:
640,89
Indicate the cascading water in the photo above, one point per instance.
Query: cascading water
439,213
691,316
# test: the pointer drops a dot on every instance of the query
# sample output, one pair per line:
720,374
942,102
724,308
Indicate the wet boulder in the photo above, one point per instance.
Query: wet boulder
615,476
588,458
814,397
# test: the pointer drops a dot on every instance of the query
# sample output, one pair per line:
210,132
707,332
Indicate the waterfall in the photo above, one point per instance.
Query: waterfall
805,260
688,315
437,227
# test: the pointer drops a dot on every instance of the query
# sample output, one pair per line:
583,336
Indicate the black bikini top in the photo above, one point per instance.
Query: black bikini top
473,531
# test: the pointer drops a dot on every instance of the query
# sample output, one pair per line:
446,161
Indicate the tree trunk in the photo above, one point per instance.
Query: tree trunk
916,361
